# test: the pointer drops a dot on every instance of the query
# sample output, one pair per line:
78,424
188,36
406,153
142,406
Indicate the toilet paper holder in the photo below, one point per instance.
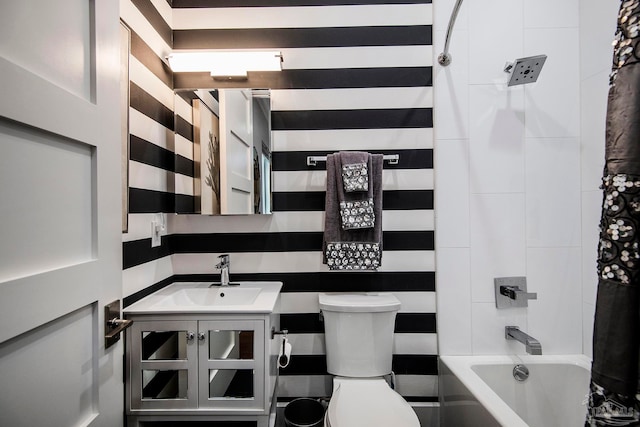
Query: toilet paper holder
282,332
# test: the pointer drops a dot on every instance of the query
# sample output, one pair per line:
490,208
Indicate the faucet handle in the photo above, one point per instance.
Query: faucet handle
224,261
515,293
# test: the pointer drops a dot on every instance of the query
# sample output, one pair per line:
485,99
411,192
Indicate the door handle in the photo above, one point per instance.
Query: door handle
113,324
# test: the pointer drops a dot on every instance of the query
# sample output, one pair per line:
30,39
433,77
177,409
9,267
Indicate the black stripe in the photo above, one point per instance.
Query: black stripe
154,18
351,281
284,399
143,53
297,160
298,201
184,204
415,364
402,364
316,79
416,323
335,281
352,119
150,107
287,3
286,242
310,323
151,201
200,424
140,251
184,128
150,154
264,38
137,296
184,166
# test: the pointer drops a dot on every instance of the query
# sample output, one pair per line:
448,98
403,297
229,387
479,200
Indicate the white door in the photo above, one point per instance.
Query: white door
236,152
60,212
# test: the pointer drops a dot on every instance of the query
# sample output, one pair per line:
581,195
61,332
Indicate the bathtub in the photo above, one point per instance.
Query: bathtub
481,391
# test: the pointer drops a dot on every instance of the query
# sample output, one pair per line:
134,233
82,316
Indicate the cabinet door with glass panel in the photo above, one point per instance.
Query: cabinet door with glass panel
164,360
231,364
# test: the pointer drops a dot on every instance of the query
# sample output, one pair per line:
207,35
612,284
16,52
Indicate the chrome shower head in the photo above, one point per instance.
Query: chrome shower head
525,70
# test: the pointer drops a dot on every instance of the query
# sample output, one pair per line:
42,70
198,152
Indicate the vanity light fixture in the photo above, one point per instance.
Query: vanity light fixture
225,64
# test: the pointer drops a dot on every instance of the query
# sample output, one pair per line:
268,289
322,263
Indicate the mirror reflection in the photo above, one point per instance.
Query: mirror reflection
231,150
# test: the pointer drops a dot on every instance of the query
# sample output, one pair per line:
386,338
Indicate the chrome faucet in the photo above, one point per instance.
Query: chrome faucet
531,344
223,266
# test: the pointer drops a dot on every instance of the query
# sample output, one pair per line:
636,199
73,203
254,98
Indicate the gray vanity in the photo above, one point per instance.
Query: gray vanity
201,353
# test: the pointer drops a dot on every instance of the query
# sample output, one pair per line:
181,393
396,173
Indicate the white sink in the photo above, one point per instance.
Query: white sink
200,297
212,296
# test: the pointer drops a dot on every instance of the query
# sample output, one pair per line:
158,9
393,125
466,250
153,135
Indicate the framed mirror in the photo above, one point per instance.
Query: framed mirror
231,144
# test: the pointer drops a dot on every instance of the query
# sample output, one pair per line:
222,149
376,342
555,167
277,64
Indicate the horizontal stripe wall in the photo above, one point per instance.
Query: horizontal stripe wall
357,76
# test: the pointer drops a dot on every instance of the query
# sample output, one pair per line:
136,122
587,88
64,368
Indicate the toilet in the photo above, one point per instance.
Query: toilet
359,346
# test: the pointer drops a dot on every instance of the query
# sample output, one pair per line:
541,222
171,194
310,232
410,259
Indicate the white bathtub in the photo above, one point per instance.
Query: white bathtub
481,391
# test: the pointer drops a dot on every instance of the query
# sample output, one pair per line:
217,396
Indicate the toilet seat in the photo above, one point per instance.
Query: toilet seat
367,402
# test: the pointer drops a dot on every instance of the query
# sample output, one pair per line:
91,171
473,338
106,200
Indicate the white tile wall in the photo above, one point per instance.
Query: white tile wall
495,37
497,241
452,197
496,139
525,165
553,192
553,102
555,318
453,284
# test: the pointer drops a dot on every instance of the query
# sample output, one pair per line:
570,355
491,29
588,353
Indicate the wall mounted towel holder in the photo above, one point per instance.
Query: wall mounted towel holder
313,160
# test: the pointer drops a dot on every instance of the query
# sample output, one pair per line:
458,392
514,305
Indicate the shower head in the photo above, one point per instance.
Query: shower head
525,70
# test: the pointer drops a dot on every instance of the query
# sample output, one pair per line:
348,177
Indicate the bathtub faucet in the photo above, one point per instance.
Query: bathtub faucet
532,345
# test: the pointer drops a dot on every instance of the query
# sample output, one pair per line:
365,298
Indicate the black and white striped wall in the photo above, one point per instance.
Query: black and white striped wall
357,76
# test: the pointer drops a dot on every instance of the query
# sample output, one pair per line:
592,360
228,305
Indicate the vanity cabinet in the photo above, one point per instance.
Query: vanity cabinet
201,367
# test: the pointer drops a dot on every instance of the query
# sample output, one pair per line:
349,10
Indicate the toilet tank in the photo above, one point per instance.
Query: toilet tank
359,333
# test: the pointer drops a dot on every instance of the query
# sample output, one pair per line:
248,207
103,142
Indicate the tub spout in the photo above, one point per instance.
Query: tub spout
531,344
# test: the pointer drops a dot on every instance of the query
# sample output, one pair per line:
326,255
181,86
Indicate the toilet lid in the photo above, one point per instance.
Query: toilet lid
365,402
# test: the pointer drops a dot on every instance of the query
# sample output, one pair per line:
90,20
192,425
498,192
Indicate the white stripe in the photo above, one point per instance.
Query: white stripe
148,129
417,385
184,184
295,262
344,99
413,220
139,227
183,109
417,302
307,302
314,344
141,76
149,177
302,17
138,23
304,385
141,276
164,9
183,146
322,58
415,343
392,179
321,385
352,139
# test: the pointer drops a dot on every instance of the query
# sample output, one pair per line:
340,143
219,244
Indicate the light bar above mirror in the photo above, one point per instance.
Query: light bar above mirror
225,63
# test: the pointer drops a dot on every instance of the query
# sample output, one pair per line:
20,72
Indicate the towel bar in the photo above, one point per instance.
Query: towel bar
312,160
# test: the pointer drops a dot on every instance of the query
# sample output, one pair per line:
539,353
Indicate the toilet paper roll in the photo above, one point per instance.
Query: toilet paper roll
285,353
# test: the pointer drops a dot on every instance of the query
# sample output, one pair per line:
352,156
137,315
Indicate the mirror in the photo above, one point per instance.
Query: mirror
231,149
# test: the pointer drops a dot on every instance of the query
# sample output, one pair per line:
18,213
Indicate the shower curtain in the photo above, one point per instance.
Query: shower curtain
615,386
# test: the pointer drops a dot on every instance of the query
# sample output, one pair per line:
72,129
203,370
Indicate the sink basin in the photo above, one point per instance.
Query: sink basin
212,296
199,297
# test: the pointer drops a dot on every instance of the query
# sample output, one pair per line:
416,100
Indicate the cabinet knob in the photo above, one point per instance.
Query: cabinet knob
201,336
190,336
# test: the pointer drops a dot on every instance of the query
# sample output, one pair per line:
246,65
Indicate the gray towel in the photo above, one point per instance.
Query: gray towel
356,256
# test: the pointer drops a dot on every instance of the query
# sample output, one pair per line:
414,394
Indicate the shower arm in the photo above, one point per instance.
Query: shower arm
444,58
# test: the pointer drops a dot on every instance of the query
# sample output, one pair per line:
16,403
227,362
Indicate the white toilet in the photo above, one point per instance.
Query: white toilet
359,345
